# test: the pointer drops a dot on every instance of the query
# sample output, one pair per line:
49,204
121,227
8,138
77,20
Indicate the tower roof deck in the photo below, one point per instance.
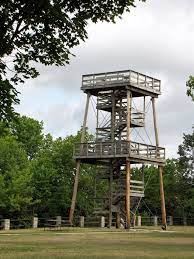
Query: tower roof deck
139,84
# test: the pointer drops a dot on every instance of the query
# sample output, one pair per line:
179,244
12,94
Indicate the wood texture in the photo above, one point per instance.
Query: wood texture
75,187
162,198
128,168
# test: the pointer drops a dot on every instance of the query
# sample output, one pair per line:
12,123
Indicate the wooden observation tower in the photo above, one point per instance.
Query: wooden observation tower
114,151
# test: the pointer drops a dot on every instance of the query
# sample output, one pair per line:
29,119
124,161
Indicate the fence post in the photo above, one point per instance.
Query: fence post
102,223
170,220
81,221
185,221
139,221
6,224
35,222
58,221
155,220
134,220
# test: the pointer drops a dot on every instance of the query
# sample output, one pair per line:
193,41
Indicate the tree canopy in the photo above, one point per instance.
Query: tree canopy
37,175
45,32
190,87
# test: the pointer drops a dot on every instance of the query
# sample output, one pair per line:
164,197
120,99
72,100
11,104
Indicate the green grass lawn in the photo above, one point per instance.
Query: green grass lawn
177,242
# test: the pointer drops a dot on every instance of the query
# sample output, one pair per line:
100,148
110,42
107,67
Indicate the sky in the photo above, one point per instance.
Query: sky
156,38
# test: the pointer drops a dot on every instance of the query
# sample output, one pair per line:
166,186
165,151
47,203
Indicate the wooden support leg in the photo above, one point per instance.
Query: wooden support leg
163,208
128,166
74,196
110,196
164,225
127,199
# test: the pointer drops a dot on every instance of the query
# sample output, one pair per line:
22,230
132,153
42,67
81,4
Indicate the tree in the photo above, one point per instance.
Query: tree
15,189
185,151
20,192
178,190
52,179
12,155
29,133
37,172
44,31
190,87
186,171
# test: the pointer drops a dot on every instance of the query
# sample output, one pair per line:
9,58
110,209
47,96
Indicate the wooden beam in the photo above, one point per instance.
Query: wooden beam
155,122
111,166
162,198
128,167
128,195
163,207
128,114
97,120
75,187
113,117
144,104
110,195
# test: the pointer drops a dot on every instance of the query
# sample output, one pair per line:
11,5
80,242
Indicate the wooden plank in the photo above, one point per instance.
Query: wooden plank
135,181
136,187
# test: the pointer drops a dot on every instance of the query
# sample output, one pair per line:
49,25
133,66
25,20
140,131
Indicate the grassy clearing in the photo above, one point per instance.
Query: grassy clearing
177,243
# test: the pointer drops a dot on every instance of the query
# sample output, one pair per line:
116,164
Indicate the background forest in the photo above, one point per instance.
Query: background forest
37,175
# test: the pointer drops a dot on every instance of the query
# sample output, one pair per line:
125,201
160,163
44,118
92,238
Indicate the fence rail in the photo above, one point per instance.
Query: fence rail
57,223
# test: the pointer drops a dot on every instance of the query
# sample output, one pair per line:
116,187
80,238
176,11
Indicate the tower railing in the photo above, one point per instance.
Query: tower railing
118,148
121,77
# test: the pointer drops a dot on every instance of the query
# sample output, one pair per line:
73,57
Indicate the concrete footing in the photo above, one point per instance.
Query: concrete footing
81,221
139,221
58,221
155,220
102,223
6,224
35,222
